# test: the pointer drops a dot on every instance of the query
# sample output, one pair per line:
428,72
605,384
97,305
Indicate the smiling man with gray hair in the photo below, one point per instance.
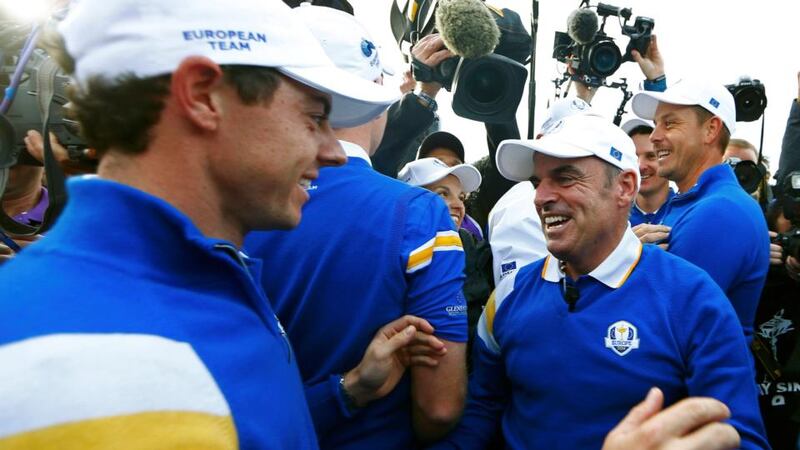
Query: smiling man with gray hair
569,343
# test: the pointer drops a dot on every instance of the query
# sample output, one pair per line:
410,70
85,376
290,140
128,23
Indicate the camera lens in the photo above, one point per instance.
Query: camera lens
485,84
750,103
604,58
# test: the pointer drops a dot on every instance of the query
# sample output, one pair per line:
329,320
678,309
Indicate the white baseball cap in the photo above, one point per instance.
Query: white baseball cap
564,107
575,136
425,171
636,122
345,40
713,97
147,38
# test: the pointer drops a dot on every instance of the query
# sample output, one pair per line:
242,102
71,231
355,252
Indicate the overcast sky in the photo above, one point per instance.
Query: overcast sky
712,39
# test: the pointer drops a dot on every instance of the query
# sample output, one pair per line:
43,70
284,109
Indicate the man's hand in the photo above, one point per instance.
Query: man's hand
692,423
34,144
649,233
7,253
798,87
652,64
775,251
408,83
430,50
386,358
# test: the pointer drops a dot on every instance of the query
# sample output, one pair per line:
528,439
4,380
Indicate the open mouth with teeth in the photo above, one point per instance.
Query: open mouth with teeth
555,222
305,183
663,154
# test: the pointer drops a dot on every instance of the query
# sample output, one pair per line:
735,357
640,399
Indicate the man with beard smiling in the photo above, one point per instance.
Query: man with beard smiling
712,221
569,343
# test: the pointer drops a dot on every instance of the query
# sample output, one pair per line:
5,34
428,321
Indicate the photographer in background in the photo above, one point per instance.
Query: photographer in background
414,116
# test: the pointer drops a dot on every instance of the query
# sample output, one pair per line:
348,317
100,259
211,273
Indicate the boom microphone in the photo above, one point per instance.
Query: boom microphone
582,25
467,27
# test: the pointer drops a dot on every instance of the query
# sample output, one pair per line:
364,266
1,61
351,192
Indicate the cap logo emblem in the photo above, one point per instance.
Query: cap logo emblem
616,154
713,102
367,47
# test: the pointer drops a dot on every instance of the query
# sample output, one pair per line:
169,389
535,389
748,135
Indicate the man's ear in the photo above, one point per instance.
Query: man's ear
712,130
194,87
627,187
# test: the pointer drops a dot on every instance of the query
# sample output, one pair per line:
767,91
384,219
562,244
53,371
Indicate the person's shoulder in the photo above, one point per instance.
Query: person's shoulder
674,276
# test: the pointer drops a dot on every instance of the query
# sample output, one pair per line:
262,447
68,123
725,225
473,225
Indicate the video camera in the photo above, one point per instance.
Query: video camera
26,73
789,196
750,98
590,51
486,88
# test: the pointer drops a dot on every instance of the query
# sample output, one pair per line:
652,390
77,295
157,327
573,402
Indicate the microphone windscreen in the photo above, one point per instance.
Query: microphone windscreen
582,25
467,27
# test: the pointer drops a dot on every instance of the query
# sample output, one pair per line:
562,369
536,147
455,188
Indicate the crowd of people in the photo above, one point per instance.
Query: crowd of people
279,251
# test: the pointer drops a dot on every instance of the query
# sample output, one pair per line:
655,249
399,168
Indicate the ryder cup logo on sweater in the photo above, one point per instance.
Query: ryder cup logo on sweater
622,337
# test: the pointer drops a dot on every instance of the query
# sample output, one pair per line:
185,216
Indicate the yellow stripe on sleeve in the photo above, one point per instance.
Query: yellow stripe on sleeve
490,310
442,242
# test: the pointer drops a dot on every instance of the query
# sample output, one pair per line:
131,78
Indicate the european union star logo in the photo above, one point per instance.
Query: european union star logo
508,266
713,102
616,154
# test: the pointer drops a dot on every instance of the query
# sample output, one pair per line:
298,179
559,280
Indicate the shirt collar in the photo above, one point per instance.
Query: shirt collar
613,271
355,151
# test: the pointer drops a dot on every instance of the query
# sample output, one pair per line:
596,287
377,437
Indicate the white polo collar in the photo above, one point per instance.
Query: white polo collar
613,271
355,151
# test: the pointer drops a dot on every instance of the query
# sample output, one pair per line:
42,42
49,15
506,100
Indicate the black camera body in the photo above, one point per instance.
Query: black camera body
596,60
750,98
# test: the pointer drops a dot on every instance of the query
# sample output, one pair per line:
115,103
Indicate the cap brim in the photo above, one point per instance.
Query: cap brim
515,156
645,103
354,100
469,177
634,123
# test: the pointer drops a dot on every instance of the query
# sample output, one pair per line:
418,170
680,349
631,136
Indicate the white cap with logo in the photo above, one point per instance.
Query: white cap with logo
575,136
713,97
147,38
345,40
425,171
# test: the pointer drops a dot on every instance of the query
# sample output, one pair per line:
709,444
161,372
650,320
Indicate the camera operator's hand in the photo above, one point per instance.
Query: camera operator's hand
775,251
408,83
387,358
650,234
23,241
793,268
798,87
652,64
582,90
430,50
692,423
35,146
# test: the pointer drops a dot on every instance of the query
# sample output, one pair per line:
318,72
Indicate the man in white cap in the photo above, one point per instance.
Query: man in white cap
370,249
654,192
569,343
137,321
711,222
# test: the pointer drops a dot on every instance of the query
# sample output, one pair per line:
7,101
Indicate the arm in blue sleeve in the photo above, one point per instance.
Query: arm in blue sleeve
657,85
489,393
328,408
718,361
